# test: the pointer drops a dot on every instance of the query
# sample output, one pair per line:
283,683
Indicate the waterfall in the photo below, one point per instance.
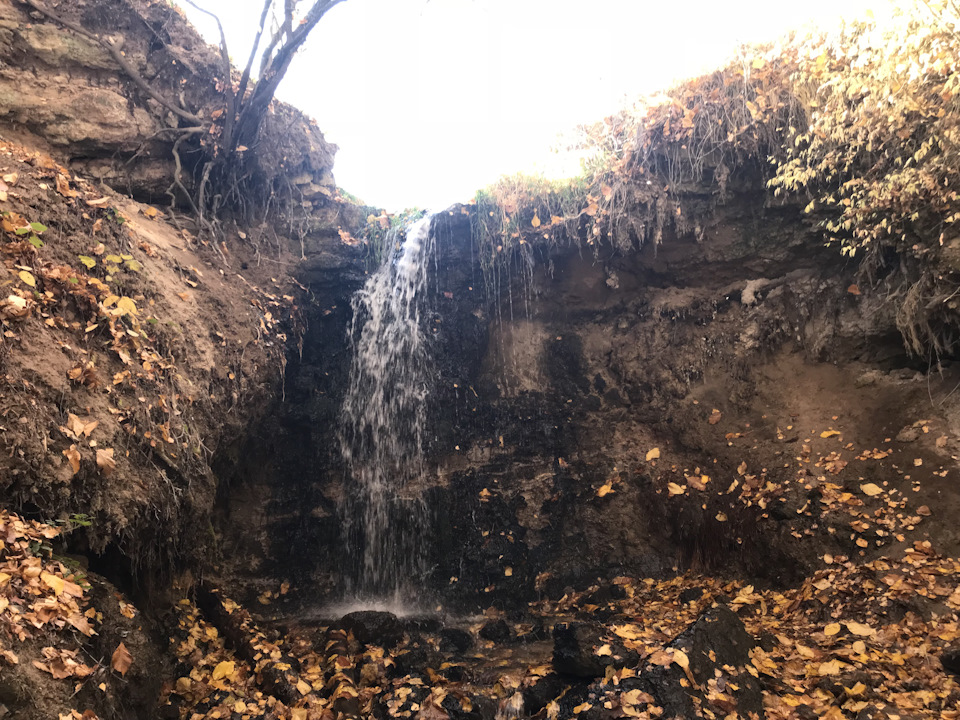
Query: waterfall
382,423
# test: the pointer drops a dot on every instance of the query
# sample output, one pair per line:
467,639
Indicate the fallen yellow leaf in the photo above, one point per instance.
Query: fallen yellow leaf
831,667
860,629
223,669
53,582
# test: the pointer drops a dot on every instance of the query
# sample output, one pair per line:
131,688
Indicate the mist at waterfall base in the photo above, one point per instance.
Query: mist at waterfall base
383,514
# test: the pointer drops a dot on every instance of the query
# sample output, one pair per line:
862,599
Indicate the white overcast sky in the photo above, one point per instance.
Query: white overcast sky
430,100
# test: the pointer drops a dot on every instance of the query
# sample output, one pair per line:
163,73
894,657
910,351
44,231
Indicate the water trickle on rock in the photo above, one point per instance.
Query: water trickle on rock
382,422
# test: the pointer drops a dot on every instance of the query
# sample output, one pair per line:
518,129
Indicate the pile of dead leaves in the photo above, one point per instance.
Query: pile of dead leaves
38,593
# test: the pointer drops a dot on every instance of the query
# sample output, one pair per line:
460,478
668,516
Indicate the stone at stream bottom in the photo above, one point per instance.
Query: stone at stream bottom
576,647
717,646
717,639
950,659
372,627
455,640
496,631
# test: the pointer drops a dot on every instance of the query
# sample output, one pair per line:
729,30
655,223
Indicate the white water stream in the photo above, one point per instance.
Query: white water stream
382,423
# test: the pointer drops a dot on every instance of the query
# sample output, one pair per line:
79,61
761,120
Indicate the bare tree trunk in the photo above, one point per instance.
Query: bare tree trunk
275,66
221,173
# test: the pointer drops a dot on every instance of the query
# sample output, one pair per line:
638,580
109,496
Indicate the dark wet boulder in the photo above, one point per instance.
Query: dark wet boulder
416,658
717,647
950,659
496,631
691,594
474,707
455,640
372,627
606,593
456,673
586,649
547,688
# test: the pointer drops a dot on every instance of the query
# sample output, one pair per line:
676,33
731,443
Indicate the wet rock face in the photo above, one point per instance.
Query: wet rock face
550,391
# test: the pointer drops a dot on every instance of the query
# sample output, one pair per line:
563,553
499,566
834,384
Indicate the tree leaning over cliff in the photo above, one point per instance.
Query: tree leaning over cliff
229,135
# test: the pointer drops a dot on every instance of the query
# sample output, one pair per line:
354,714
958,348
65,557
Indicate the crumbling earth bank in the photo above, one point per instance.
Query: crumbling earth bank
69,92
130,349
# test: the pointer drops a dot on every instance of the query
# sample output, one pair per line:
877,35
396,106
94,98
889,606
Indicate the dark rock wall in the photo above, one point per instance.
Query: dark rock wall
559,385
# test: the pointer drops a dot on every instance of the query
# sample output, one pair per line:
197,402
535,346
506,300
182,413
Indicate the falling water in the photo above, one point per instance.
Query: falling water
382,422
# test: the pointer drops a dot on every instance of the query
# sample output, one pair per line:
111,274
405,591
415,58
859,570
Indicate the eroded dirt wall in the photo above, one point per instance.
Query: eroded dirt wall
612,413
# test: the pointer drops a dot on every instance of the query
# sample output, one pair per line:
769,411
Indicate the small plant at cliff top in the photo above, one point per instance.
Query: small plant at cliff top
380,228
880,155
880,158
520,210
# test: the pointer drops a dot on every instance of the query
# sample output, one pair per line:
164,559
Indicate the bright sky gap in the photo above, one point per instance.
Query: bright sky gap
430,100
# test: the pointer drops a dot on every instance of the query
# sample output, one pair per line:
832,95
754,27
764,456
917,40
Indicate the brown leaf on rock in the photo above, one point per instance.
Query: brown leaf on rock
73,455
122,659
105,460
81,623
63,187
432,711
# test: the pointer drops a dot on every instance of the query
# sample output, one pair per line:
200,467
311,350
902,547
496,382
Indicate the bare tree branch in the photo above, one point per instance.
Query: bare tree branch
271,46
245,78
276,66
229,98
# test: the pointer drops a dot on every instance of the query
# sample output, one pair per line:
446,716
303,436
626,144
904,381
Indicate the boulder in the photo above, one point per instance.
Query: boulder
950,659
716,640
547,688
372,627
585,649
455,640
496,631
